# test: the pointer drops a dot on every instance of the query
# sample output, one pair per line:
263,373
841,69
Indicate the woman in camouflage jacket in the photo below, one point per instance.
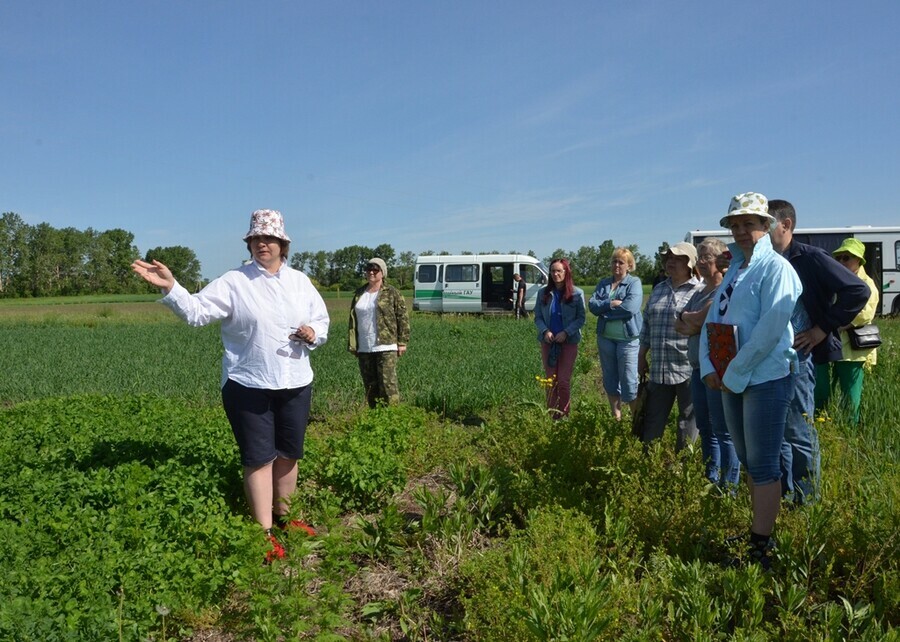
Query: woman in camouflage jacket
378,334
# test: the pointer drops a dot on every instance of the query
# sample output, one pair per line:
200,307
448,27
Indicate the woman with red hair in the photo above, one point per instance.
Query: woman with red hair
559,317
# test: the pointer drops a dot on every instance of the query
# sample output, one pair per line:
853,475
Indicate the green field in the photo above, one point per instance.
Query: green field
463,514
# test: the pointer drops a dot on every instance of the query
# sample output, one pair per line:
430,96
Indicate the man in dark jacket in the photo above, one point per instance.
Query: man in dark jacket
832,297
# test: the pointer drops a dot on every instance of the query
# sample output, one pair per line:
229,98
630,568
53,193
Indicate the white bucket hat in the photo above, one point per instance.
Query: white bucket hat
267,223
684,249
751,203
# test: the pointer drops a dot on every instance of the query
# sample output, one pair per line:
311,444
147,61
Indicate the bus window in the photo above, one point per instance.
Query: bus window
462,273
531,274
427,274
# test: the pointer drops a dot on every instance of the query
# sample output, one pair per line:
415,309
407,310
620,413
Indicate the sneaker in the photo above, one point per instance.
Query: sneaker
295,524
759,553
277,550
753,553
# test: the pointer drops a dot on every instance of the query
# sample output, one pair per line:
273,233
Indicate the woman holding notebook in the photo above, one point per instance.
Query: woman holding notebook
722,465
754,305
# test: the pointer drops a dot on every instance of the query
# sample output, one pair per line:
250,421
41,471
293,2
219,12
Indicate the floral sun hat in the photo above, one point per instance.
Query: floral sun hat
267,223
751,203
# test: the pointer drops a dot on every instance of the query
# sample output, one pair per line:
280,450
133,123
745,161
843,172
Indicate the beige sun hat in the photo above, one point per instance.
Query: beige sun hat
748,203
685,249
381,264
267,223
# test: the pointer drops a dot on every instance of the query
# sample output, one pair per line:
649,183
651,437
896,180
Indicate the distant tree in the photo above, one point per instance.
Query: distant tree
72,274
182,261
318,266
404,269
604,259
346,265
41,268
313,264
301,261
386,252
644,265
109,260
584,263
659,264
13,231
557,253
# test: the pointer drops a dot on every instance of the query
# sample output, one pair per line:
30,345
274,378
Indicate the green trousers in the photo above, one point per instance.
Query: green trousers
848,377
379,375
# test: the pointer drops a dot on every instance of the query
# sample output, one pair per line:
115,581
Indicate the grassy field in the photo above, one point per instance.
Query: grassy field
463,514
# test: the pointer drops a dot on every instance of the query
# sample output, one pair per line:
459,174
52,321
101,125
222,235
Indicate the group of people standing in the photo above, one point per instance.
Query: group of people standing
789,305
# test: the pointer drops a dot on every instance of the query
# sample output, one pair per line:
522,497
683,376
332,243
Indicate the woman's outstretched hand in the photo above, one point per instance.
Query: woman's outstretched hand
155,274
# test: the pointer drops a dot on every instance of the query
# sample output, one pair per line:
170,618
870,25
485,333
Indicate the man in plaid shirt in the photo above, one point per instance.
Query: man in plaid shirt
669,368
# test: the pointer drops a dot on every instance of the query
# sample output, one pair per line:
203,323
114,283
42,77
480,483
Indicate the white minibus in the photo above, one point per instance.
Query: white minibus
475,282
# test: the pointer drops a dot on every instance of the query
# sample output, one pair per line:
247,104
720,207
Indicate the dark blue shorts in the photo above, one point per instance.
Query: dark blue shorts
267,423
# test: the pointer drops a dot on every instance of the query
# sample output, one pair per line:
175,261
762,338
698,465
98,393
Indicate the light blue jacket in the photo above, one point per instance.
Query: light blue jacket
631,294
762,302
572,315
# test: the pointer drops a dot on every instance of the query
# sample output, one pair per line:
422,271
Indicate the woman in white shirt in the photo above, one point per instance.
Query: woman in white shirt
271,318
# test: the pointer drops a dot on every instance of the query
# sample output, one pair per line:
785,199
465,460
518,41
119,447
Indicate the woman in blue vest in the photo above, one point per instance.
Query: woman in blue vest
559,317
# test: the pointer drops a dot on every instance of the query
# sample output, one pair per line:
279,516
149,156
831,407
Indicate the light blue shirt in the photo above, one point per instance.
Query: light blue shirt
762,301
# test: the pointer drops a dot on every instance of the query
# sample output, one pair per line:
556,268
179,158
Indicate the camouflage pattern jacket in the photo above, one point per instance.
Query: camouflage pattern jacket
392,317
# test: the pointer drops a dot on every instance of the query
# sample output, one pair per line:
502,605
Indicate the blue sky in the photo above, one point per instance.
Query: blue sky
444,125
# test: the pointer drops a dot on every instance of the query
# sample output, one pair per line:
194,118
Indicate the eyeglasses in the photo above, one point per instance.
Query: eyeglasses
843,258
373,268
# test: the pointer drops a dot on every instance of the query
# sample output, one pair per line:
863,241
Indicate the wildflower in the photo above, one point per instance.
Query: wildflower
162,610
548,382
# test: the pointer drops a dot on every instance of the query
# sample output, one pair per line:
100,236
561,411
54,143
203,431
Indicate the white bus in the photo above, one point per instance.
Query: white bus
475,282
882,253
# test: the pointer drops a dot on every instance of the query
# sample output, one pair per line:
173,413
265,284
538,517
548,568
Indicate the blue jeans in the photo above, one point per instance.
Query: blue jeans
756,419
618,362
715,441
801,463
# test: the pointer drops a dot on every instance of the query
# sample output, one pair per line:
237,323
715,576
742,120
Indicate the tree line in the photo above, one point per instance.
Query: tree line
40,260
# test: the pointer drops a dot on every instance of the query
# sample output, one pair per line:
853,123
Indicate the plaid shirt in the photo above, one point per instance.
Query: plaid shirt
668,349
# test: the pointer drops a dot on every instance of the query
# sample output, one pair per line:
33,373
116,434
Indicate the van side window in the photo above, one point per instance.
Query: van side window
427,274
461,273
530,273
897,254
